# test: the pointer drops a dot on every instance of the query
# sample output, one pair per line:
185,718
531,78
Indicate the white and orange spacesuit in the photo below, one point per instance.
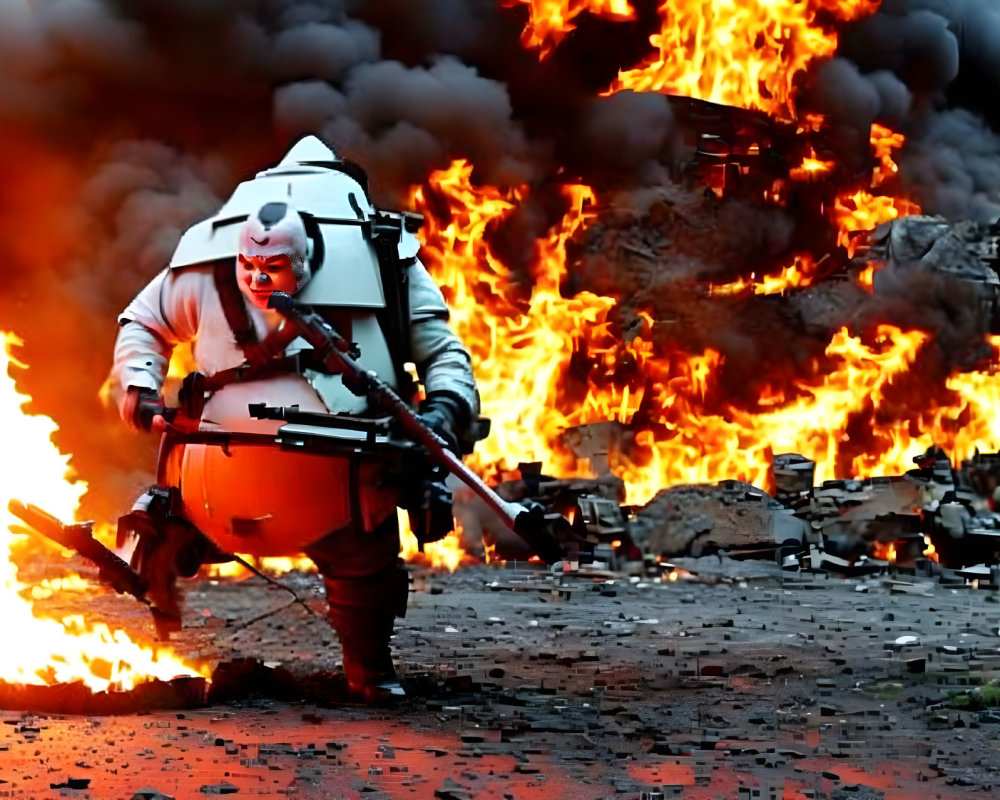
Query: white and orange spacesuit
305,227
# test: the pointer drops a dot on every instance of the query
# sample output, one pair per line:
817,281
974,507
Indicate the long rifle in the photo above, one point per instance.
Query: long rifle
333,350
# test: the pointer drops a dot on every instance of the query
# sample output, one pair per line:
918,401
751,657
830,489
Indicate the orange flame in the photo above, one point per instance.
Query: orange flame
519,349
862,210
52,651
885,551
744,53
269,565
798,275
550,21
449,553
866,278
884,141
811,167
846,413
930,552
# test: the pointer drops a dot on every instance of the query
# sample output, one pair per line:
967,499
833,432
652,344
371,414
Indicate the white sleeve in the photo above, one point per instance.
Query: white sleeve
162,315
443,364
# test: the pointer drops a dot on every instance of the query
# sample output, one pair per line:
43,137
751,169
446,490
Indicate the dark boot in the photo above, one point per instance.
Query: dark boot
167,546
363,611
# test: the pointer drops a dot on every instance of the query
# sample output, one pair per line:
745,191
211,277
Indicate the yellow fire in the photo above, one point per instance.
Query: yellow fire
886,551
48,587
549,21
449,553
930,552
48,651
744,53
866,278
849,413
884,141
520,348
861,210
269,565
811,167
701,444
799,274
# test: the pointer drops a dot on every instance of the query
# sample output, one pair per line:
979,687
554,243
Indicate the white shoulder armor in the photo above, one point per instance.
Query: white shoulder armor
331,194
426,300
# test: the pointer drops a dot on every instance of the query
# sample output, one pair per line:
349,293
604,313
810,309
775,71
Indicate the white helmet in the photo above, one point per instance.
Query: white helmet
276,229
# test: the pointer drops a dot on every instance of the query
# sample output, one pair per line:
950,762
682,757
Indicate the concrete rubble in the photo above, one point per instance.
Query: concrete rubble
735,680
838,524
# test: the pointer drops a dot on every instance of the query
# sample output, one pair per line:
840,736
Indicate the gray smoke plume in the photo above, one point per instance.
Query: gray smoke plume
406,121
952,166
947,52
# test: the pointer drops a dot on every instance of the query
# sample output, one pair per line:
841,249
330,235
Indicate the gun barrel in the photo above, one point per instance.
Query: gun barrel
78,538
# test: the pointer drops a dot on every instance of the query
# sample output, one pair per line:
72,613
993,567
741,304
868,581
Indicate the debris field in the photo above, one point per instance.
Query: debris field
736,680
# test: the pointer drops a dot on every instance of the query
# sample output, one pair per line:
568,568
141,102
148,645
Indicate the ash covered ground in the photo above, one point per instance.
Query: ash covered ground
741,681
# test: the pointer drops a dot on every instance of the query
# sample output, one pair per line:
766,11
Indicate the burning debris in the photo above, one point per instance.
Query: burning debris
50,650
933,514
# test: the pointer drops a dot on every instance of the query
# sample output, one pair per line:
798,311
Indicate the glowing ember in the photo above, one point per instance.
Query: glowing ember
550,21
811,168
50,651
801,273
744,53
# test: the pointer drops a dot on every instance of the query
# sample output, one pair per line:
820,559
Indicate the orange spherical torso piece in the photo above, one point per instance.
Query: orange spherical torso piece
264,500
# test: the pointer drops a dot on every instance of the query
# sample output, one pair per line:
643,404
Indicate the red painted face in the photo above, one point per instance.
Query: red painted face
258,276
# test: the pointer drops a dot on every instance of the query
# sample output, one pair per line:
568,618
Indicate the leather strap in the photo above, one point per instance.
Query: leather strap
233,305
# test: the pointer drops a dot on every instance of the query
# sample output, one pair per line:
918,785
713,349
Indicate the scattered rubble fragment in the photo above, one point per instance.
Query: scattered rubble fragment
701,519
964,251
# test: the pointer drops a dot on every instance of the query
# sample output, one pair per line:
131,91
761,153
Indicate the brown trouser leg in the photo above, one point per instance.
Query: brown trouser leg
366,588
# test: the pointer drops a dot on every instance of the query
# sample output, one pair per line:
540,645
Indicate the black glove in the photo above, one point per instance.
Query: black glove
139,406
443,414
430,515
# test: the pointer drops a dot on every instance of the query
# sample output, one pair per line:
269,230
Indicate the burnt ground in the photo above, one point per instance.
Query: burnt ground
740,682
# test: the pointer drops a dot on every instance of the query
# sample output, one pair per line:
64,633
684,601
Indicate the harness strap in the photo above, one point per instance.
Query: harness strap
233,306
394,319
